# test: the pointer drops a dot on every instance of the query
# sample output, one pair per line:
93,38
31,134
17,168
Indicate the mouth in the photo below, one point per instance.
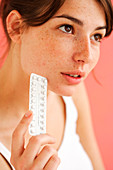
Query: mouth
75,74
73,77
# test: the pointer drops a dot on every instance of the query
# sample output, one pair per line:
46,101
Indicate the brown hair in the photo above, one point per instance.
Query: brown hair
37,12
33,12
108,9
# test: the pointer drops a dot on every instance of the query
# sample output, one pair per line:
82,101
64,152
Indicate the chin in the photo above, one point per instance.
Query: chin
64,91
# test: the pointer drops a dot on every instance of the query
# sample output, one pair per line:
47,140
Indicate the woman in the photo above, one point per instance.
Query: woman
59,40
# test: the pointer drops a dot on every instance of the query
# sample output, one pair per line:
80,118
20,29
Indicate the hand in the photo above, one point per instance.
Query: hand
32,157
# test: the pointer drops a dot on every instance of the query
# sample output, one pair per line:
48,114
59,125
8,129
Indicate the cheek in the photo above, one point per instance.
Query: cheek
33,55
61,49
31,61
45,54
95,58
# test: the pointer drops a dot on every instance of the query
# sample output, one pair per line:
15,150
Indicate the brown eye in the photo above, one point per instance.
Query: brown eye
97,37
66,28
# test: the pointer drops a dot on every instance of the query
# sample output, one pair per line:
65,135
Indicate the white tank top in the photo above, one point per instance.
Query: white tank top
71,152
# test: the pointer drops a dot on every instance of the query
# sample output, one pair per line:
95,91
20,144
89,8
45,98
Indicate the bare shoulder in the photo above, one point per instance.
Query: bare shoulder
4,164
85,126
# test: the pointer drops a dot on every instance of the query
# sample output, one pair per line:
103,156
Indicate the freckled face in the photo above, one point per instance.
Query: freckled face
68,43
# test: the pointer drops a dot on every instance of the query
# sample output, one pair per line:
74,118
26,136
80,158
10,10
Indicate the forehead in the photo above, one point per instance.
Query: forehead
88,11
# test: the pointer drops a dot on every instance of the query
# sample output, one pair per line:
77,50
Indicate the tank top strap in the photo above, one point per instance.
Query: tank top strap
70,124
6,154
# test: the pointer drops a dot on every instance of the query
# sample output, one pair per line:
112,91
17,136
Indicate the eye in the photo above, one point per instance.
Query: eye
67,29
97,37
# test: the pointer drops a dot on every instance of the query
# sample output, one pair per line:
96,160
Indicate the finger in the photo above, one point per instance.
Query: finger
18,134
53,163
46,153
34,146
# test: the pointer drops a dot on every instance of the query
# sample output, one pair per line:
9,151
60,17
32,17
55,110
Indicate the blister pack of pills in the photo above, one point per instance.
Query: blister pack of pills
37,104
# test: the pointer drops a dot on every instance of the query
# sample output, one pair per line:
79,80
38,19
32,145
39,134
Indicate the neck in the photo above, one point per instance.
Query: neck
14,87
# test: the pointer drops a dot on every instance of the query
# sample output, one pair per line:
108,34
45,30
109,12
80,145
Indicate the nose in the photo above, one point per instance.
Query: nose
82,50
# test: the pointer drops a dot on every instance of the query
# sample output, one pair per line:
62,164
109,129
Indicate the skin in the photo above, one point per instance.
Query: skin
48,50
56,46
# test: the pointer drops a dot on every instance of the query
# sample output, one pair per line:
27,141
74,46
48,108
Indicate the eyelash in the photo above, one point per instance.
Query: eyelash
68,26
99,39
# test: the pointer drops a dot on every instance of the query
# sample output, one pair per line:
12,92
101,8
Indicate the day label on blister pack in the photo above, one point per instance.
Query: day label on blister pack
37,104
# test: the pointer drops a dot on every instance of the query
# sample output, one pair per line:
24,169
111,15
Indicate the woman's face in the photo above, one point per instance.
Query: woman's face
66,48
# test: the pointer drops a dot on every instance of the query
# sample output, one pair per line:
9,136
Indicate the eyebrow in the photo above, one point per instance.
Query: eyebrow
77,21
100,28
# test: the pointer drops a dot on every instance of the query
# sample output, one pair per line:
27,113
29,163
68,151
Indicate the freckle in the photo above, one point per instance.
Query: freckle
44,64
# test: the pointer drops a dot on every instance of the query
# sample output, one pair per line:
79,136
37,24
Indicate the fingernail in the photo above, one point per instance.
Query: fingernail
28,114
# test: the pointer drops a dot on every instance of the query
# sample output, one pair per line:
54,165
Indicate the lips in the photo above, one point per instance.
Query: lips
73,77
75,74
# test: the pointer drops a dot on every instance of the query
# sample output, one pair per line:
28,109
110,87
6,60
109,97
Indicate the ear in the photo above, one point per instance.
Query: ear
13,23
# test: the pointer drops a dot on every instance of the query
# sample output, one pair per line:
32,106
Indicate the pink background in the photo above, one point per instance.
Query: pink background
101,98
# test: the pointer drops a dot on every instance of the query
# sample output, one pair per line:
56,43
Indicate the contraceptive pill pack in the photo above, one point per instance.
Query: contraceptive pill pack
37,104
